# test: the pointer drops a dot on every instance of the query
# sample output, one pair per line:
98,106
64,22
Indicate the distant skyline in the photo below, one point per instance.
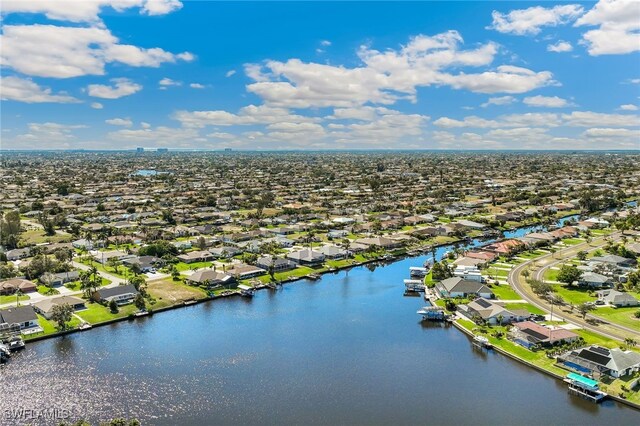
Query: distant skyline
120,74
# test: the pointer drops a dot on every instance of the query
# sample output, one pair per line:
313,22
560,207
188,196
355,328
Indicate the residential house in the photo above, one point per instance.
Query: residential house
333,252
306,257
598,360
61,278
25,316
45,307
279,264
594,280
14,284
614,260
196,256
460,287
491,312
529,333
244,271
122,294
384,242
617,298
210,278
145,263
225,252
17,254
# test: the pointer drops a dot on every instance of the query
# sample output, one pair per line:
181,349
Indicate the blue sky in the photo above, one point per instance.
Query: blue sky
118,74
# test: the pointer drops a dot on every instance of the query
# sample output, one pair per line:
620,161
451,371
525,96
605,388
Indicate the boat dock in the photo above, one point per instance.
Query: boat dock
432,313
418,271
584,387
481,342
414,285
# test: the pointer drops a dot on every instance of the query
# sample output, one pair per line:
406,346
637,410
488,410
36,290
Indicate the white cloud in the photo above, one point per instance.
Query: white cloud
86,10
618,30
167,82
325,43
197,86
161,7
504,121
249,115
546,101
530,21
628,107
122,87
501,100
96,105
63,52
24,90
613,132
41,135
230,73
595,119
124,122
560,46
221,135
386,77
160,135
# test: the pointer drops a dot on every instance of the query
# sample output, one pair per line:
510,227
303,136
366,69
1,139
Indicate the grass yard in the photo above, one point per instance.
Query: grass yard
505,292
38,236
573,241
96,313
181,266
575,295
47,291
300,271
12,299
529,307
622,316
49,327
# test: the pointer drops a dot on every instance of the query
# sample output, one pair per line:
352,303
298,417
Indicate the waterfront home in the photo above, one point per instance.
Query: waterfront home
384,242
466,261
505,247
617,298
469,273
599,360
25,316
210,278
485,256
45,307
55,280
491,312
306,257
333,252
122,294
14,284
529,333
337,233
460,287
279,264
470,224
196,256
594,280
244,271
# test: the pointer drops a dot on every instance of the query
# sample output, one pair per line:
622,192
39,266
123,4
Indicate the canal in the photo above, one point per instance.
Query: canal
346,349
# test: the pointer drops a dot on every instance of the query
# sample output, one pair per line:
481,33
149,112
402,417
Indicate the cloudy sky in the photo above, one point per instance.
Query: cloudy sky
118,74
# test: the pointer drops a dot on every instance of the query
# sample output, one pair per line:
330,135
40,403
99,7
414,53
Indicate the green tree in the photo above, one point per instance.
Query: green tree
569,274
139,302
61,315
585,308
539,287
10,229
582,255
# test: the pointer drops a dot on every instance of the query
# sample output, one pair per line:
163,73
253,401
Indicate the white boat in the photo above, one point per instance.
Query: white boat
246,291
418,271
414,285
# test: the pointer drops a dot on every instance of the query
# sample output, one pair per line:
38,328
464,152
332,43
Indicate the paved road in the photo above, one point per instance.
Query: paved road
613,331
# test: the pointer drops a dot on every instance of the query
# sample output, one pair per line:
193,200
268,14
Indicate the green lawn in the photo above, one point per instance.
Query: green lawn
622,316
300,271
551,274
47,291
181,266
529,307
575,295
49,327
12,299
505,292
573,241
96,313
32,237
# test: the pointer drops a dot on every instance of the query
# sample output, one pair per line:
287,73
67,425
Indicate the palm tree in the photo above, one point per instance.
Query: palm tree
18,294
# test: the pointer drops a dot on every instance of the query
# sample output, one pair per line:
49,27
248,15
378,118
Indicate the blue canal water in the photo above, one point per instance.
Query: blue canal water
346,349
